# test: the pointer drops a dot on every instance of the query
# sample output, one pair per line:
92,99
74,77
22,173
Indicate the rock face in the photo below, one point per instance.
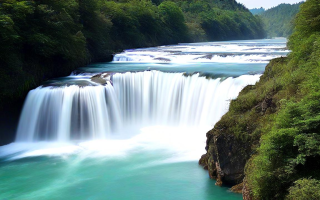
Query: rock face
237,188
246,192
227,154
226,157
102,78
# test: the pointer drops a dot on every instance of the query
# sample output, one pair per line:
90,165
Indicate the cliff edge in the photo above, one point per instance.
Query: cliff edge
268,143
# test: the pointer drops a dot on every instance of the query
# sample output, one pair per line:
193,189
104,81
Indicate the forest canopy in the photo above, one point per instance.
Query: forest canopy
278,21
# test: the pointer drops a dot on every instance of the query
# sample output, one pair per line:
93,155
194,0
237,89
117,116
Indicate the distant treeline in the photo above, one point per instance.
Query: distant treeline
256,11
41,39
219,20
278,21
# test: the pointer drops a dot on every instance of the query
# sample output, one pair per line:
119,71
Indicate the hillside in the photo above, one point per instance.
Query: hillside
212,20
278,21
269,141
257,11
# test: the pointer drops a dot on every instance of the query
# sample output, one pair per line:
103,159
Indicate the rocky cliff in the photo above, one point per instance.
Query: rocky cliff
234,139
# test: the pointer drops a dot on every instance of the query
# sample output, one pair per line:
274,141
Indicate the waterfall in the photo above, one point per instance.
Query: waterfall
135,100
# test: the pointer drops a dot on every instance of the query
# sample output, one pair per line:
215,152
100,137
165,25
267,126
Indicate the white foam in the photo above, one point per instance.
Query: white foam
232,52
182,143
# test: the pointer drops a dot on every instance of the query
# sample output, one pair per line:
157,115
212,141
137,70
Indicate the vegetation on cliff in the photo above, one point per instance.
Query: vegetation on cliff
275,124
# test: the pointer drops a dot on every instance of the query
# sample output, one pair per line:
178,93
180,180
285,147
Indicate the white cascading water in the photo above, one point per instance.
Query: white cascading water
135,100
205,52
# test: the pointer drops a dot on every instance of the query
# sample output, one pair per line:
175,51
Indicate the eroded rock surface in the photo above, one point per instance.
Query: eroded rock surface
226,157
102,78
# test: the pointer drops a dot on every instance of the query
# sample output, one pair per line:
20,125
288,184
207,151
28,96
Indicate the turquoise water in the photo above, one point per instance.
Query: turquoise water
137,176
156,163
212,69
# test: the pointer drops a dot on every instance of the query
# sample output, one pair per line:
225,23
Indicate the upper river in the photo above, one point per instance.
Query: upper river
133,128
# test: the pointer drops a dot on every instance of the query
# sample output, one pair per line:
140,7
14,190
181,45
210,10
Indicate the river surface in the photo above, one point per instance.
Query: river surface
133,128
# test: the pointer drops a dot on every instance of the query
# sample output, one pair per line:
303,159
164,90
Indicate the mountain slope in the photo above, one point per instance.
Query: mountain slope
278,21
220,20
257,11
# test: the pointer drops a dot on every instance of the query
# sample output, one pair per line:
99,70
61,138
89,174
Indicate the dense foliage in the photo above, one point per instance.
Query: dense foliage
278,21
46,38
256,11
280,118
305,189
220,20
